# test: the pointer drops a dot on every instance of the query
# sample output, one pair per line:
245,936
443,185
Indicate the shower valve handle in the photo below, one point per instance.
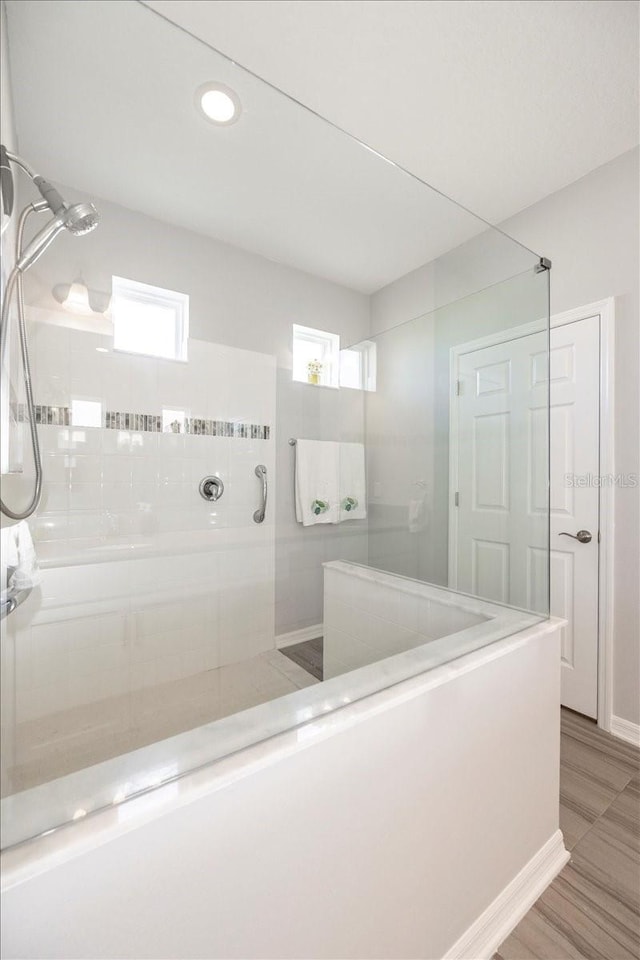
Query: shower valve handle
211,488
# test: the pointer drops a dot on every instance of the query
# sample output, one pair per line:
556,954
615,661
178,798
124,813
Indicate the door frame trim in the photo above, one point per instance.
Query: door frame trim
605,310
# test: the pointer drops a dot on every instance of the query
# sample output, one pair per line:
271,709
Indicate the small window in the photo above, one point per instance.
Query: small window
316,356
149,320
358,366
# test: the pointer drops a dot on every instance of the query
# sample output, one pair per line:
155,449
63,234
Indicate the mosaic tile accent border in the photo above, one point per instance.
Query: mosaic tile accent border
149,423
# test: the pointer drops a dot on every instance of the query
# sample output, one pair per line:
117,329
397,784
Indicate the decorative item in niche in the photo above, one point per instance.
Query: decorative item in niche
316,356
173,421
314,371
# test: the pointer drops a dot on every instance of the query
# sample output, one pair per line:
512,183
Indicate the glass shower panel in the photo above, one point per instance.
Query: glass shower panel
457,444
154,642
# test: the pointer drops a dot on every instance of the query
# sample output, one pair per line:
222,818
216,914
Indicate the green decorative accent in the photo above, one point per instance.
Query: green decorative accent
349,503
319,506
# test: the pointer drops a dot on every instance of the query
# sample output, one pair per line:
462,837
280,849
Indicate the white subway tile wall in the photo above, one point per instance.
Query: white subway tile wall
144,581
105,483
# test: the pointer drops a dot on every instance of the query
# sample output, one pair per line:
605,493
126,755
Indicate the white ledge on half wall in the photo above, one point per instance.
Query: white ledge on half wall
299,636
393,771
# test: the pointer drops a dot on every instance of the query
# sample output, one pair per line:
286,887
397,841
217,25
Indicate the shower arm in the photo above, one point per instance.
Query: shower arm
30,172
47,191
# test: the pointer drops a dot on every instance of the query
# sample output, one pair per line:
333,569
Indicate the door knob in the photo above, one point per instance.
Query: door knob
582,535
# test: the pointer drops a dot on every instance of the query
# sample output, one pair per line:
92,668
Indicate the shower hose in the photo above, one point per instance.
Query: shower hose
15,283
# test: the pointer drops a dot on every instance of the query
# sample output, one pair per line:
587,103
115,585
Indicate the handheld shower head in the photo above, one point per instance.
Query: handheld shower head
80,218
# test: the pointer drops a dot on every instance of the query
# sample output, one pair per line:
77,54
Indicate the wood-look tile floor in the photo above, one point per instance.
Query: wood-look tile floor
592,908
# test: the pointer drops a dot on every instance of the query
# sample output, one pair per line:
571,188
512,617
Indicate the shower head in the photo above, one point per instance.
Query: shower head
80,218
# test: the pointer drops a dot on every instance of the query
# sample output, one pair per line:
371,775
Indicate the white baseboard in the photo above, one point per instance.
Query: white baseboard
299,636
625,730
492,927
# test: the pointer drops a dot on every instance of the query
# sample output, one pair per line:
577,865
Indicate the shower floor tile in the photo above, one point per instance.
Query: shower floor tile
309,655
71,740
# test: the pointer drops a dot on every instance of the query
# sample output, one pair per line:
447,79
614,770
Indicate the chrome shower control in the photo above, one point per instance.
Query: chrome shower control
211,488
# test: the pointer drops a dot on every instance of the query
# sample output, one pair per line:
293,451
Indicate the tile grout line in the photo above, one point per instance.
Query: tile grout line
570,921
598,818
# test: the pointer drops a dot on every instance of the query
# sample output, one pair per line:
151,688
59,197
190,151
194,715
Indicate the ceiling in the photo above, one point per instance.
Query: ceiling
497,103
474,97
116,119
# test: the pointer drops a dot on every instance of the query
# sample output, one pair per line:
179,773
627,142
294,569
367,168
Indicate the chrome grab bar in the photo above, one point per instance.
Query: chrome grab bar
261,474
12,599
13,596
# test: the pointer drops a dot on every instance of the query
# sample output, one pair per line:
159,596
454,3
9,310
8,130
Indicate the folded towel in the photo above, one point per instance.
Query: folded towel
317,482
19,553
353,498
416,515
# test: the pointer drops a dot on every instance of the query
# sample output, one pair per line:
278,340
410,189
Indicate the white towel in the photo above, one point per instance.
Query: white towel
317,482
353,498
416,515
18,552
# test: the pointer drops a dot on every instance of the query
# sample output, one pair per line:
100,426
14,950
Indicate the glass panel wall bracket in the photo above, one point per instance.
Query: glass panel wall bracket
542,265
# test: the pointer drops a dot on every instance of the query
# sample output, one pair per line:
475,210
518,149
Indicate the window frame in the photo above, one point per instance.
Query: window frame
330,347
135,291
367,357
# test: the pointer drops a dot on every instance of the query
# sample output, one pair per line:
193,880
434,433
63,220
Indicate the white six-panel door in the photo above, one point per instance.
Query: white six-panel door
502,530
499,463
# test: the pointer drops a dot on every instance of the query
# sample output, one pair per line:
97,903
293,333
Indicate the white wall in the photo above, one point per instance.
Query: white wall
369,616
407,421
318,413
245,301
7,125
143,582
9,456
362,843
590,232
7,137
401,448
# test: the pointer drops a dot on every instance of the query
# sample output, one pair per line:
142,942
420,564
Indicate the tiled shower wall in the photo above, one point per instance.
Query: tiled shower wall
317,413
143,580
241,300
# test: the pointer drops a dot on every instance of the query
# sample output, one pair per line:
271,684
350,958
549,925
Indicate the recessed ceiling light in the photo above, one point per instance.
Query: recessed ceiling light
219,104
